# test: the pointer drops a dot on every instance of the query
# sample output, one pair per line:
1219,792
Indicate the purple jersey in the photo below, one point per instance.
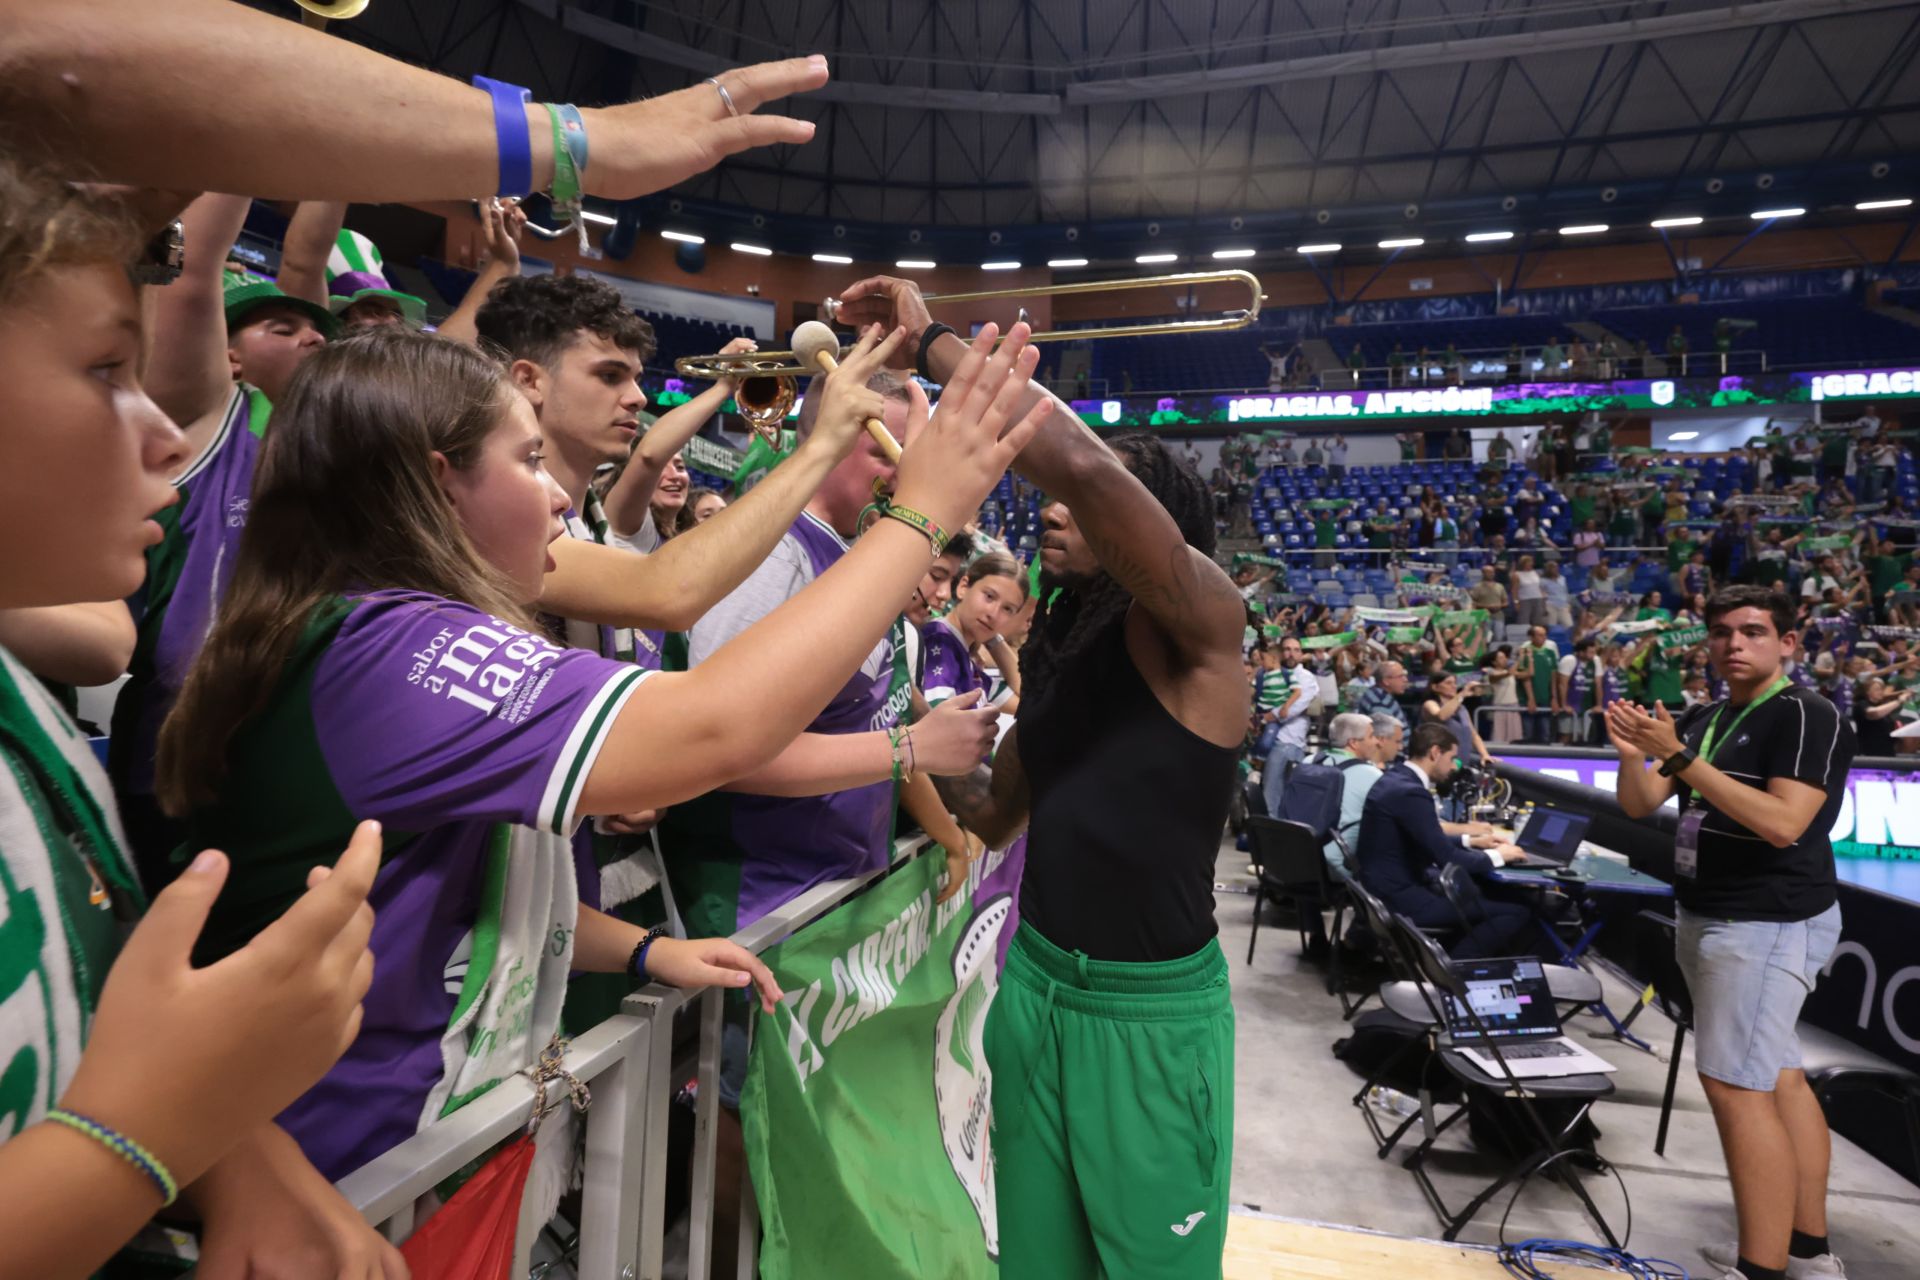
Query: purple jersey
187,574
948,667
735,856
452,728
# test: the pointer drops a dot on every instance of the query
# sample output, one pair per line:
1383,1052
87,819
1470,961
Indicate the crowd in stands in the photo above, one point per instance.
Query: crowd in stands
1530,589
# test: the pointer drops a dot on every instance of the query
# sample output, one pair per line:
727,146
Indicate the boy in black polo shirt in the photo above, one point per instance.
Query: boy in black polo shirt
1760,776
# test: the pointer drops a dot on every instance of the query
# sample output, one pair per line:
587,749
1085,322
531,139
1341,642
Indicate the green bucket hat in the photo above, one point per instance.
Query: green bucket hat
244,293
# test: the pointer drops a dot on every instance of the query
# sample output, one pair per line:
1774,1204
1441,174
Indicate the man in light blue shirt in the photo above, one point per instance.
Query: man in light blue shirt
1292,716
1353,748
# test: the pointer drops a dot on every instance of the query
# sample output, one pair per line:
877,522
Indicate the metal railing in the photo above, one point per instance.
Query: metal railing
628,1062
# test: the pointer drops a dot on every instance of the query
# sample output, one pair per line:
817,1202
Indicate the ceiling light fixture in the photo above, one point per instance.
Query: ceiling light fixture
1584,229
684,237
605,220
1413,242
915,264
1661,223
836,259
1484,237
1765,214
1066,262
1224,254
757,250
999,266
1318,248
1866,205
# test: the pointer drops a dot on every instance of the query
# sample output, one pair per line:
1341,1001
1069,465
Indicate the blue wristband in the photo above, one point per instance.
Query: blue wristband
510,134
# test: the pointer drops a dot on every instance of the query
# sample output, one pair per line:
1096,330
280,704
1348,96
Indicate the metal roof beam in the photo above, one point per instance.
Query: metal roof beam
1452,52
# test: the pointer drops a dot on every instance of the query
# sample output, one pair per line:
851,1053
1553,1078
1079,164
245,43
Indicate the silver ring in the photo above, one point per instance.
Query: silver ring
725,97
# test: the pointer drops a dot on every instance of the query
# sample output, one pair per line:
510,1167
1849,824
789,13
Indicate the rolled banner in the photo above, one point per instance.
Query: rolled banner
1641,627
1394,617
1674,639
1338,641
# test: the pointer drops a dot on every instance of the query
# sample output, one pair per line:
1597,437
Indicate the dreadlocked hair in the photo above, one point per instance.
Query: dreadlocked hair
1069,621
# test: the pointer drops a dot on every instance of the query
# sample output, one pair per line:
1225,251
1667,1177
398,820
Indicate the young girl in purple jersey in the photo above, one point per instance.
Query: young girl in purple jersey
390,667
988,597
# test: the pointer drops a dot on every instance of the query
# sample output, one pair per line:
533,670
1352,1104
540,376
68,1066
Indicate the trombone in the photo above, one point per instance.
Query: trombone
765,384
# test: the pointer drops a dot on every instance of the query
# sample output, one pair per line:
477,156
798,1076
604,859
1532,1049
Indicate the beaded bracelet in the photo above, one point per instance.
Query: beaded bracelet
124,1147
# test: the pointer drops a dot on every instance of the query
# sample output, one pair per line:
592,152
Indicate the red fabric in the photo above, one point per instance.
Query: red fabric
471,1238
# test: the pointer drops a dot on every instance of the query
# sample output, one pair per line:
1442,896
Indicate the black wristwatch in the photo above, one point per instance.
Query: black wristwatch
927,338
1679,760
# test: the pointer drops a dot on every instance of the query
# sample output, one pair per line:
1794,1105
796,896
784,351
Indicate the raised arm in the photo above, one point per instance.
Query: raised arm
673,588
502,221
739,707
187,373
1196,605
311,234
79,644
626,503
146,94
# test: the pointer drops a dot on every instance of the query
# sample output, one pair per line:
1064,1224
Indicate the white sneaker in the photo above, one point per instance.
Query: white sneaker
1727,1256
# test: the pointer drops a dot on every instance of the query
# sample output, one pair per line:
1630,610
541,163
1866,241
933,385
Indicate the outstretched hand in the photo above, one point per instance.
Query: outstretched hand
652,144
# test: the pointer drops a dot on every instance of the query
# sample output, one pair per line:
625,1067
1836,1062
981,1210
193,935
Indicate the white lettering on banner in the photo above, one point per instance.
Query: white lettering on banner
1376,404
1879,811
868,975
1876,382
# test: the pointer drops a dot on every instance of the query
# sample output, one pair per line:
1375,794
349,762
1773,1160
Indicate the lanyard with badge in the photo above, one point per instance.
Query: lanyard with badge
1686,838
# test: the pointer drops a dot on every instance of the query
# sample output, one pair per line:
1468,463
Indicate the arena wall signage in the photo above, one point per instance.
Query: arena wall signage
1532,399
1880,817
1862,384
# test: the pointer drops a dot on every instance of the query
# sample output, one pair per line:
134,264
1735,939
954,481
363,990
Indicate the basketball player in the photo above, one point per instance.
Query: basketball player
1111,1039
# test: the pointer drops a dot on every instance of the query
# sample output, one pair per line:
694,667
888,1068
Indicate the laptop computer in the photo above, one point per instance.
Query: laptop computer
1515,1008
1551,837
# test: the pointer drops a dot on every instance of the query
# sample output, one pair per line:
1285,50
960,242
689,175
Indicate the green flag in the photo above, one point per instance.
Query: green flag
866,1107
1674,639
1328,642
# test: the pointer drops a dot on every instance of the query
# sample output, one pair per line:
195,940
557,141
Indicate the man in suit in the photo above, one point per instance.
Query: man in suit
1402,849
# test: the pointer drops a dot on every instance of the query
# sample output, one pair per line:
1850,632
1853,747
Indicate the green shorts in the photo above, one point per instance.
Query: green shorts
1112,1113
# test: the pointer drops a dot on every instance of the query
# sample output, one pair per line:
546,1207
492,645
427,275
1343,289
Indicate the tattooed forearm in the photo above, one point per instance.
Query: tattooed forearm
969,797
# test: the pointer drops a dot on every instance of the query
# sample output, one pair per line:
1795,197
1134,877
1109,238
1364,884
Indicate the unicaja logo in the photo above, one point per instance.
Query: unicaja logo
962,1084
1662,392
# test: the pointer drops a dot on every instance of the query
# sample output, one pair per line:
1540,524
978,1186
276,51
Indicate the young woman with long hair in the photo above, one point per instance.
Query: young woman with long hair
376,656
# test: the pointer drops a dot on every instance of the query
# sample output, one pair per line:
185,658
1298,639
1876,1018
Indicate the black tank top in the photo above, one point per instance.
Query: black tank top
1128,806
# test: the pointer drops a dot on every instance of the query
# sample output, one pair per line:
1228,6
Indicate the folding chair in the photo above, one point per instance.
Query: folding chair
1292,866
1403,1012
1432,965
1670,984
1572,988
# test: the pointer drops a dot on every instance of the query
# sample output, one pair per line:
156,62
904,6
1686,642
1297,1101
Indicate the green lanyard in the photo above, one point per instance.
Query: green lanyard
1713,725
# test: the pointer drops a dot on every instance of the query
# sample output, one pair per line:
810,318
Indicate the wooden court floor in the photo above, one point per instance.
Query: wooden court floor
1261,1248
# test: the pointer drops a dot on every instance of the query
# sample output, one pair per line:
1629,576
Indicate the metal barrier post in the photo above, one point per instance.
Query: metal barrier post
652,1106
706,1137
386,1188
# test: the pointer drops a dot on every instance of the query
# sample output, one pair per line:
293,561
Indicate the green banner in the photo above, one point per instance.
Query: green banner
1405,635
1329,642
1326,504
866,1107
1476,619
1677,638
1838,542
